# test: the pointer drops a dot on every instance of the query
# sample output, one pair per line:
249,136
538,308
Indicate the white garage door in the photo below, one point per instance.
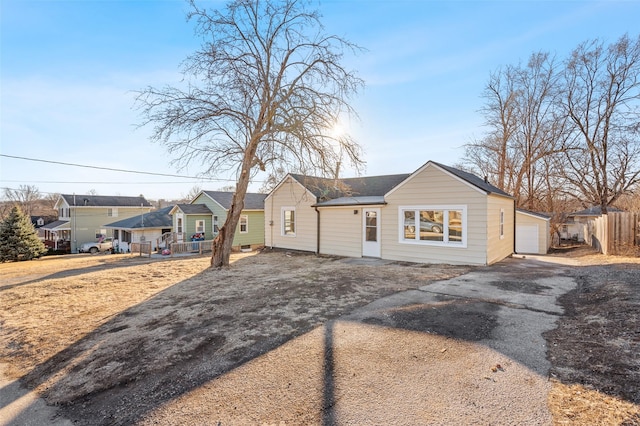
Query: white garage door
527,239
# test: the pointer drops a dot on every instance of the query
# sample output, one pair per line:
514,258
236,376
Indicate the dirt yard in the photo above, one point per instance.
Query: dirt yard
111,338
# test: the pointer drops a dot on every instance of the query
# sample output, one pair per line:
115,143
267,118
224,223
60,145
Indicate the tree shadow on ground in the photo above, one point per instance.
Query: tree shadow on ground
199,329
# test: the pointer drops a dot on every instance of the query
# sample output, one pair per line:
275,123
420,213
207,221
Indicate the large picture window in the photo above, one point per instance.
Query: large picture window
289,221
433,225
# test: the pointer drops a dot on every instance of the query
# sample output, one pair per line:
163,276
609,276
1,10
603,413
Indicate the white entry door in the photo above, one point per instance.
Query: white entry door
371,232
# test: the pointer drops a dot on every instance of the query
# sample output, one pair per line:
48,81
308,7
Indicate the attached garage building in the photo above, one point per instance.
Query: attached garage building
532,232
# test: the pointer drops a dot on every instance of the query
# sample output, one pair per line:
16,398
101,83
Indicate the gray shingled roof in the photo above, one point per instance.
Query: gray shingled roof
156,219
474,180
541,215
329,189
595,211
194,208
105,201
252,201
58,223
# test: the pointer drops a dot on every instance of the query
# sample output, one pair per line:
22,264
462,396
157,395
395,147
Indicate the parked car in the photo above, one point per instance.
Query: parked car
97,246
425,226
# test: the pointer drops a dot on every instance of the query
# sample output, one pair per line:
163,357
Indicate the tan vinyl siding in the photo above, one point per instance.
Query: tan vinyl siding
341,231
291,194
433,187
544,231
497,248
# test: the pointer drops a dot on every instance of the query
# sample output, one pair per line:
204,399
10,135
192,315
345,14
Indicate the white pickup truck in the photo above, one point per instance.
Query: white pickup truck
96,246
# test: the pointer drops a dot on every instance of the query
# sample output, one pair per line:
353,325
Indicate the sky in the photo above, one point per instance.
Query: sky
69,71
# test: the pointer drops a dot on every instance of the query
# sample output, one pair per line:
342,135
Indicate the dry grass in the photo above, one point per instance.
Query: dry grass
579,405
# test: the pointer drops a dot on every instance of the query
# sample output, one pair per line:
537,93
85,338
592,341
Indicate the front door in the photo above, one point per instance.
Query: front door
371,232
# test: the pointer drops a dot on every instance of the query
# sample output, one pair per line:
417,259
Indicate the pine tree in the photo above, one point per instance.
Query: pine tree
18,238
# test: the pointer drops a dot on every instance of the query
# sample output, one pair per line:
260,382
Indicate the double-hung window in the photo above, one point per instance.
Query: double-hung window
200,226
501,224
289,221
433,225
244,224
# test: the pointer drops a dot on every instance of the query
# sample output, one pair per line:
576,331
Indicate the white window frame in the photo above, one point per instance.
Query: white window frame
445,230
200,224
502,224
295,218
112,212
216,228
179,224
246,224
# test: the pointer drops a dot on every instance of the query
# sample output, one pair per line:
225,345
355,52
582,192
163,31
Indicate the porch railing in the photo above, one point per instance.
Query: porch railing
191,247
143,248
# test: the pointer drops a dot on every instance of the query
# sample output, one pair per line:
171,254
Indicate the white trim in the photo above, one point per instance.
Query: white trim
444,207
535,216
501,224
204,226
203,192
369,248
295,219
282,182
246,217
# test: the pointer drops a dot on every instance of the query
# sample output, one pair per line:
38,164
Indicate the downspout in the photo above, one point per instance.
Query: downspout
513,251
318,230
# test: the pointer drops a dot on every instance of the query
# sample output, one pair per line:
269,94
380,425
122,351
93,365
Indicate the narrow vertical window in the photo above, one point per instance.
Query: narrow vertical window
215,224
244,224
501,223
289,221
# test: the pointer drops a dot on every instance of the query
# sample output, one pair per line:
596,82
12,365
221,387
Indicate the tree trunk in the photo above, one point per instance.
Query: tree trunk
221,246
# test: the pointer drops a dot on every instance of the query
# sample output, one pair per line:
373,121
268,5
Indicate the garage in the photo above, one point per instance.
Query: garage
532,232
527,239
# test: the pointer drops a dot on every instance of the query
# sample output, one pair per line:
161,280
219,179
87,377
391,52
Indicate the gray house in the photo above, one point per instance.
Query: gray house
142,228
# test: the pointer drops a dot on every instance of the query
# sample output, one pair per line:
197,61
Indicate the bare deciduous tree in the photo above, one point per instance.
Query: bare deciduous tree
261,94
600,98
26,197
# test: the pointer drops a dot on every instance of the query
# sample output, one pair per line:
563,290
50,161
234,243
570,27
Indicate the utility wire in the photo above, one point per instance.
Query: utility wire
114,169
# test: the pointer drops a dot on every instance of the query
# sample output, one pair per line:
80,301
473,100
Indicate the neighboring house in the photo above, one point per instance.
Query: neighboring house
575,223
533,232
208,212
148,227
38,223
82,218
438,214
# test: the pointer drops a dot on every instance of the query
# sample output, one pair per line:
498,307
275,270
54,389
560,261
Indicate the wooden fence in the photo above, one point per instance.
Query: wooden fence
191,247
615,234
143,248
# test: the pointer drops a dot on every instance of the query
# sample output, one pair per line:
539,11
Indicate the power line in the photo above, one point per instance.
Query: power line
114,169
98,182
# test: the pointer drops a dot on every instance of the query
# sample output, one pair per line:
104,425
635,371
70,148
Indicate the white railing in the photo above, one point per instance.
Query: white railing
191,247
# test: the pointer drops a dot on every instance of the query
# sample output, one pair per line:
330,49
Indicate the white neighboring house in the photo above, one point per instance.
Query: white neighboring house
142,228
574,225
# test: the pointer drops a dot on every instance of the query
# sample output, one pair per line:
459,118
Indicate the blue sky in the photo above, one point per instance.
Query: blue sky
69,68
